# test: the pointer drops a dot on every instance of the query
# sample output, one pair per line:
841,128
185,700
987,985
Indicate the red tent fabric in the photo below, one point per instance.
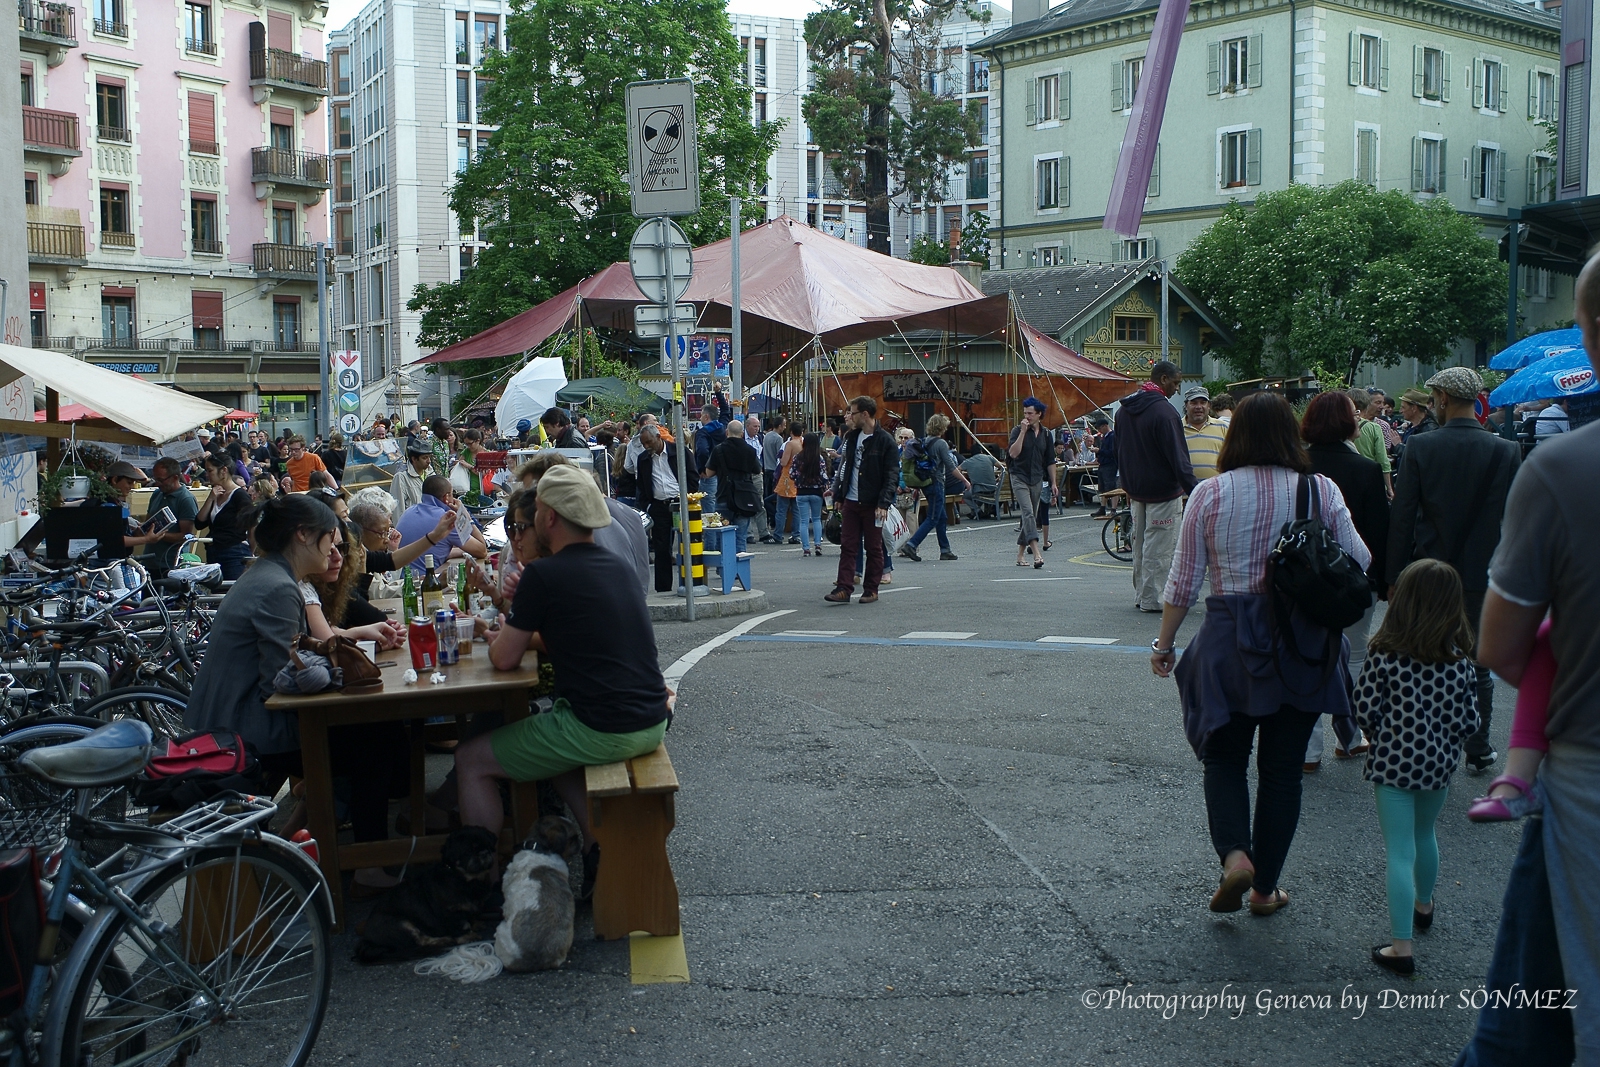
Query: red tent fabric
1098,384
798,283
70,413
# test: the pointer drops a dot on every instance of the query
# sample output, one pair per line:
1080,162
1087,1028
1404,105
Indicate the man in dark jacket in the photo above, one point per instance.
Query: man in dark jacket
658,492
869,474
1153,466
729,464
559,429
1449,498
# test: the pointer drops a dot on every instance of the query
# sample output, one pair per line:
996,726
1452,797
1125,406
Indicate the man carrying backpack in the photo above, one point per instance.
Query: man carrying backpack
928,462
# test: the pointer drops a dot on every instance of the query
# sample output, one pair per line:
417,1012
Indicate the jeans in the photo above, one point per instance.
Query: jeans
936,518
1155,535
1356,633
859,525
786,507
861,555
810,521
741,530
1026,492
708,486
231,560
1406,817
1226,757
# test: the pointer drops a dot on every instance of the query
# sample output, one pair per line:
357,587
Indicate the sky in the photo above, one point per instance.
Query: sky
340,12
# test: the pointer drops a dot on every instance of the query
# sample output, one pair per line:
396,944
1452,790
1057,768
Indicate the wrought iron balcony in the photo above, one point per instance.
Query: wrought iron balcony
207,247
204,148
200,45
110,29
47,24
274,66
115,239
119,134
58,243
50,132
289,168
296,262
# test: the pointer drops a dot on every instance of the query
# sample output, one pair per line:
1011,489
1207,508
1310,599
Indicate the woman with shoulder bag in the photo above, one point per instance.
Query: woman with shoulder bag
1252,667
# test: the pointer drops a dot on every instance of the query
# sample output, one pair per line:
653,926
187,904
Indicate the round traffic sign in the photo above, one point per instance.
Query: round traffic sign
350,423
656,244
661,131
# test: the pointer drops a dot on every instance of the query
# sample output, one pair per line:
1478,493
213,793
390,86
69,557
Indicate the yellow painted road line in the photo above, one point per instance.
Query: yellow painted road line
1088,559
657,959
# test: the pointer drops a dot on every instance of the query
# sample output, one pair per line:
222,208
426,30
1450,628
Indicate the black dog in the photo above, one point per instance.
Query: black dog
433,910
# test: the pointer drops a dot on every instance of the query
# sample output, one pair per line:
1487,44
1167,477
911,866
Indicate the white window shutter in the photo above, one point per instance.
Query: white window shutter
1116,85
1533,95
1500,176
1383,64
1252,157
1444,154
1416,165
1418,71
1213,68
1502,81
1477,83
1064,111
1533,180
1444,78
1253,46
1033,113
1355,58
1065,198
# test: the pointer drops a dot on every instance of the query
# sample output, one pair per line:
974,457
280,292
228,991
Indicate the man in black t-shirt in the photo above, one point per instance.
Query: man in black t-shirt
582,608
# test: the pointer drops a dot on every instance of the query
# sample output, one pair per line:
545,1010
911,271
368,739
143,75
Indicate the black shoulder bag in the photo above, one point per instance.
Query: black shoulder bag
1310,570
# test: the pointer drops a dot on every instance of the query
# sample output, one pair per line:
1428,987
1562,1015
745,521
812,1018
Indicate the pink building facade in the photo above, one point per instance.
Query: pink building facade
176,169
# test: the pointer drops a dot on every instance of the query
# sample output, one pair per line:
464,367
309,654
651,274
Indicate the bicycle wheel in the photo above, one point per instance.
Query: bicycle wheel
251,919
161,709
1114,537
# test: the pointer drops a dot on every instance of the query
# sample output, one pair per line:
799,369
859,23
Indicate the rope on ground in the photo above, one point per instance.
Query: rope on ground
465,963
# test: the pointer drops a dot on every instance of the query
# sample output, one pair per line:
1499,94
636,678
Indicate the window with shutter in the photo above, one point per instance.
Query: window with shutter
1116,86
1213,68
1254,50
1367,156
1500,175
1383,66
1419,72
1235,64
1154,188
1356,57
203,124
1572,127
1252,168
1416,165
280,31
1064,102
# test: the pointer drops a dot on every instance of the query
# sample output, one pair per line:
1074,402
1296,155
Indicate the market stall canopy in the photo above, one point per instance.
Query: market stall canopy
1096,385
131,410
240,415
612,391
797,284
69,413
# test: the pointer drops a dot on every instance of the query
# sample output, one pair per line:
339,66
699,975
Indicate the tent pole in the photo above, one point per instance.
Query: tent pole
736,337
52,413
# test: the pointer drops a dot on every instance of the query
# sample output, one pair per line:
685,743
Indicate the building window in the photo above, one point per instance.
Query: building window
1488,88
1048,255
761,107
205,309
1049,183
116,319
27,87
109,18
344,176
466,257
463,152
1541,178
758,66
1367,156
1131,329
115,220
30,188
480,86
378,304
286,324
1431,77
1125,83
344,227
1047,98
978,178
203,226
197,29
486,34
1488,174
1536,283
111,112
1371,62
1427,165
1235,64
281,136
463,98
341,73
1241,159
283,225
1542,97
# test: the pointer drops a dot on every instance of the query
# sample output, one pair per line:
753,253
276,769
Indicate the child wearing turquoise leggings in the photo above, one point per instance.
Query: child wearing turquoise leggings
1417,702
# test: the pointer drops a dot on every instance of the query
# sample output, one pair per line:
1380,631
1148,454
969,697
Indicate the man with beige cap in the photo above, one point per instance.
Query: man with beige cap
580,607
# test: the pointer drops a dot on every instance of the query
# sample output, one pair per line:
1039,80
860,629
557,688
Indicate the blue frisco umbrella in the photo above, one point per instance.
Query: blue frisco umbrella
1564,374
1532,349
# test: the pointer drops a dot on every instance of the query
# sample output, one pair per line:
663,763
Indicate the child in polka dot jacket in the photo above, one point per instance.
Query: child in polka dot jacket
1417,702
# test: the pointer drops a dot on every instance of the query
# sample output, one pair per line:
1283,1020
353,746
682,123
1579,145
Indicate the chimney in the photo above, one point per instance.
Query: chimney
1028,10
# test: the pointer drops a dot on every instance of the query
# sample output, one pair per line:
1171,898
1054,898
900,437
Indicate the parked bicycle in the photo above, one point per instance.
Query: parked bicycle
1116,533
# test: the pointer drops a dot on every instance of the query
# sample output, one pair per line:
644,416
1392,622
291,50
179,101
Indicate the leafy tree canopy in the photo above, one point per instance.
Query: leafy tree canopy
549,192
1336,276
974,244
874,111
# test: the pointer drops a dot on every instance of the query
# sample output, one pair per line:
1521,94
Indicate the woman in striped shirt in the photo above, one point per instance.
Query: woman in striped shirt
1238,673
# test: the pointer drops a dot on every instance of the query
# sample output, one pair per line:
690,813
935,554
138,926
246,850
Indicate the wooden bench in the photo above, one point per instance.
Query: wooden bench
632,810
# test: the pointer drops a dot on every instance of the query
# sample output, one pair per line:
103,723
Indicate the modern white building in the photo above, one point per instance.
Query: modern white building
403,121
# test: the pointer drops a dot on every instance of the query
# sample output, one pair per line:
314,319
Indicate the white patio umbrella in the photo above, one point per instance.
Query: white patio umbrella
529,393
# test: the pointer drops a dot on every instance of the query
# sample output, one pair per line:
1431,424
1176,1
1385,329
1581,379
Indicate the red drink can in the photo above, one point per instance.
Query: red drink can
424,645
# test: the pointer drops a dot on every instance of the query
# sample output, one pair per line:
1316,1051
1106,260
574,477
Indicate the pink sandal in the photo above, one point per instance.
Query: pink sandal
1505,809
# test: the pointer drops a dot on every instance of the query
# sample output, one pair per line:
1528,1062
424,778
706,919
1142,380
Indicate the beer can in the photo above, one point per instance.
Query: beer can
444,626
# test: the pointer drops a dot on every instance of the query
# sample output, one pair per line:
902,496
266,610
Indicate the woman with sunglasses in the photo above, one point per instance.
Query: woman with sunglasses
223,514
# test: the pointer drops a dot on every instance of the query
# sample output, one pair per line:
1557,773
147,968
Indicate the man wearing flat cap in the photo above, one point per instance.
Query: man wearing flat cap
1449,497
582,608
406,485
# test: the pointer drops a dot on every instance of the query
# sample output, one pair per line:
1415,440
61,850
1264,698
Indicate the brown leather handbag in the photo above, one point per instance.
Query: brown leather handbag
361,675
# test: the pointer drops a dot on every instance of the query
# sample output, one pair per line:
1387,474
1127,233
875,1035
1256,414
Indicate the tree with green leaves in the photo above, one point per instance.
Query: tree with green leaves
1334,277
973,244
549,193
873,111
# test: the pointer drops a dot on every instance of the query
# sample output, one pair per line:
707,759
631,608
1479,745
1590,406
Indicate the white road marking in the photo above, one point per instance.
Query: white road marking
674,674
939,635
1036,579
898,589
812,633
1077,640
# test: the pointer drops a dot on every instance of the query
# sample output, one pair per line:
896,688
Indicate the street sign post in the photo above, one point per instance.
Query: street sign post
650,320
663,148
662,260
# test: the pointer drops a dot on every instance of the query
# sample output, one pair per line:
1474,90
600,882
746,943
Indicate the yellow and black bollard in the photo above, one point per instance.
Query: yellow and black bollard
694,557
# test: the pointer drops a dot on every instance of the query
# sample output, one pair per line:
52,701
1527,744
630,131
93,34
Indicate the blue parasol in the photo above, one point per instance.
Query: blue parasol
1532,349
1567,373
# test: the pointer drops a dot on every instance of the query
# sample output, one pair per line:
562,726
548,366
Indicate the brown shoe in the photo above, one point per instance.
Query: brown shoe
869,598
1312,768
840,596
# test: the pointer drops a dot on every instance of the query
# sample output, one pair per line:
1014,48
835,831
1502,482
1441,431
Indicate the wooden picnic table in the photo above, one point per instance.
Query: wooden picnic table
472,686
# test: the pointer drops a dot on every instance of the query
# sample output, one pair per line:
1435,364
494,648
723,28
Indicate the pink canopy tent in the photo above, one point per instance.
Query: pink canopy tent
1093,385
798,284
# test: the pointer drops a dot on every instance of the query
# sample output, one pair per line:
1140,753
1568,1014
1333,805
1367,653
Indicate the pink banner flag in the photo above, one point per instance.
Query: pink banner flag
1128,188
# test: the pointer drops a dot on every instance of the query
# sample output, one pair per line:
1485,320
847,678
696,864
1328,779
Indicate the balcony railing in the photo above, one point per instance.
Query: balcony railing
286,68
119,134
298,261
56,23
111,29
347,246
204,148
200,45
205,247
114,239
52,240
49,131
289,168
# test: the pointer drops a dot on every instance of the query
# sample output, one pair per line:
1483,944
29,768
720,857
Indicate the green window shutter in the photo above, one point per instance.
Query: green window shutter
1500,176
1154,188
1253,47
1444,165
1444,77
1533,95
1383,64
1533,181
1066,182
1032,113
1502,101
1355,58
1418,78
1477,83
1252,157
1064,110
1116,85
1214,68
1416,164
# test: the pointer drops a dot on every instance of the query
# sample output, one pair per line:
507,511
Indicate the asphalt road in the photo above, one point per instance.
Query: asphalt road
984,850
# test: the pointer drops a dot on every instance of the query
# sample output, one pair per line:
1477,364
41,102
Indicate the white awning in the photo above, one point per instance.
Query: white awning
153,413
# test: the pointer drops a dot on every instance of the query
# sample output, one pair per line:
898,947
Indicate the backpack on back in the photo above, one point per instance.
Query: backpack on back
916,464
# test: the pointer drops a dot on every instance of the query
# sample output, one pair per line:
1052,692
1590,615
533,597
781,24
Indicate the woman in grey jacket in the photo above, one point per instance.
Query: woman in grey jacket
250,641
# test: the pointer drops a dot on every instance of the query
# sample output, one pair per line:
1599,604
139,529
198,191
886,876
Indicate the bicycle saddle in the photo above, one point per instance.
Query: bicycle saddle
112,754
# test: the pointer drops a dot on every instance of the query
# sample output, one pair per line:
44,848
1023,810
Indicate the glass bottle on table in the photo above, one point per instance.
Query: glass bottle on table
432,592
408,596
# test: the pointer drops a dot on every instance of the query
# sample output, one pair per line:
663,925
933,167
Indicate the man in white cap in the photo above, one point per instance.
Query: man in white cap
580,607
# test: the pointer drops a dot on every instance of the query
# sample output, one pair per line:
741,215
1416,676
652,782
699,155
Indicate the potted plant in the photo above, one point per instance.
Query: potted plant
80,477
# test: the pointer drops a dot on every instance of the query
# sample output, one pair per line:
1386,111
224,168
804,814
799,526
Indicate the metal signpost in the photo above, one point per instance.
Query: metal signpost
664,174
345,371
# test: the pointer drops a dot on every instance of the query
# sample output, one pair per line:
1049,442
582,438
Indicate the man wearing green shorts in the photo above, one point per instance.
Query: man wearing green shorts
582,608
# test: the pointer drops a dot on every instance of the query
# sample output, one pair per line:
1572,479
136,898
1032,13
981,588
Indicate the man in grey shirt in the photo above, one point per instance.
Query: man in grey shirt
760,525
771,450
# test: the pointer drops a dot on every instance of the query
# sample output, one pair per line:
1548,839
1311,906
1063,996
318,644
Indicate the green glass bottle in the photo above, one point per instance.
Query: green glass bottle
462,592
408,595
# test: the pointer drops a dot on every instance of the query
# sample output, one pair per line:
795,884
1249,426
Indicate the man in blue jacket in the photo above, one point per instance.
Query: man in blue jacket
1153,466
